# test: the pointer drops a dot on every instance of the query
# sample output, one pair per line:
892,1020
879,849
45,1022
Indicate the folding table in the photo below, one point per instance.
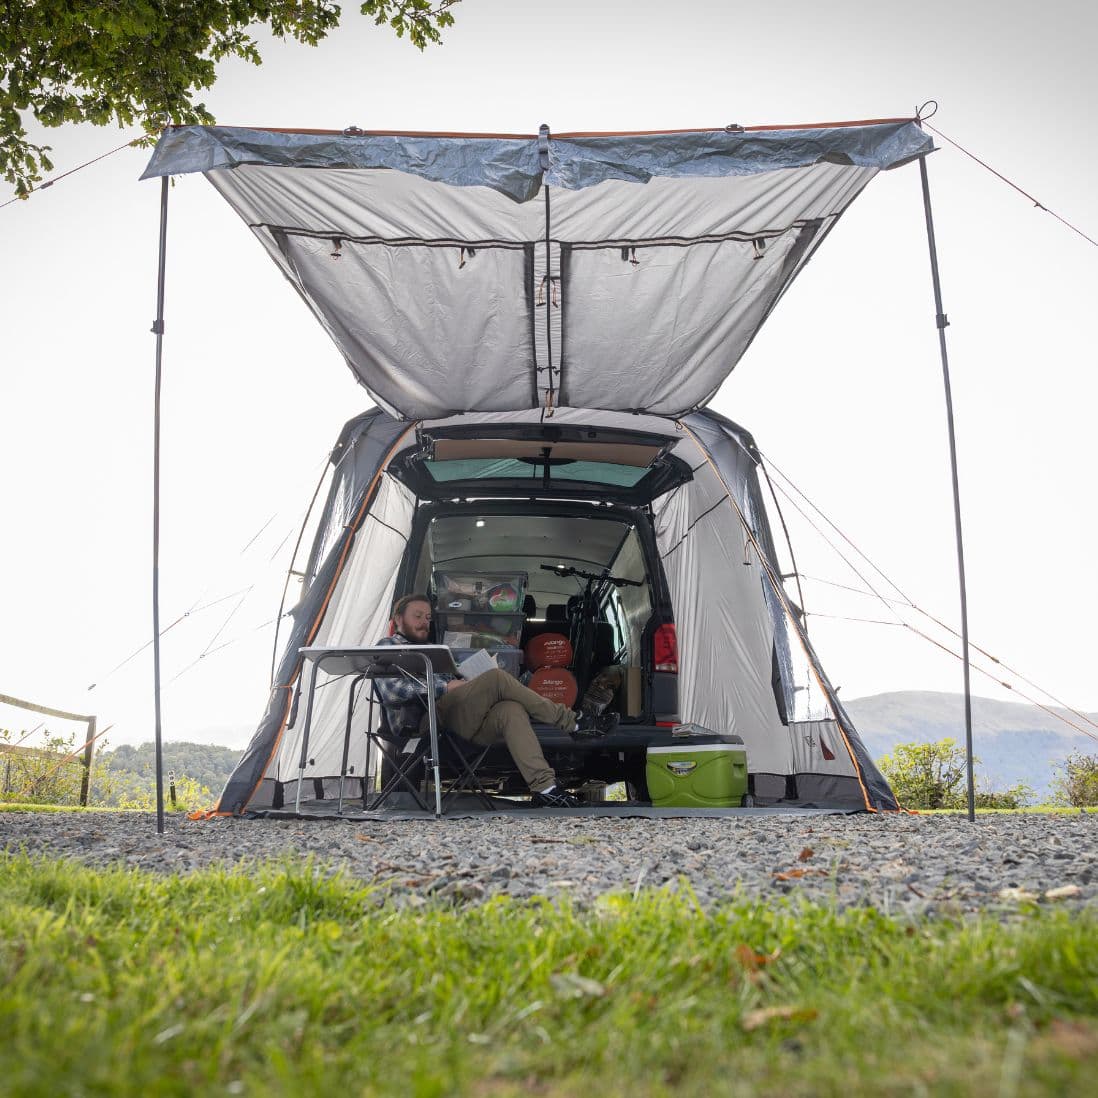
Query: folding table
371,662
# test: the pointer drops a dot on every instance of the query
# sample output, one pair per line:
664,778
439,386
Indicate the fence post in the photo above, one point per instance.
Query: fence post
89,748
46,711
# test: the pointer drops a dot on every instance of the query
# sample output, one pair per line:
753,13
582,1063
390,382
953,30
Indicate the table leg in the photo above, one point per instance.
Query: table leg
347,740
305,733
432,725
367,778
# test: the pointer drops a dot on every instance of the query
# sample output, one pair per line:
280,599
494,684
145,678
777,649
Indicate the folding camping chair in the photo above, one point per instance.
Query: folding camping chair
407,752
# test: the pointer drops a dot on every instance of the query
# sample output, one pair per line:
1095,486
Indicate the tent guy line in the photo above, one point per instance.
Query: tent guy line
999,175
904,599
195,609
71,171
871,592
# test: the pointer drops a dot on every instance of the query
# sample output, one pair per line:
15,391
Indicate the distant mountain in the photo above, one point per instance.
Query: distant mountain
1014,742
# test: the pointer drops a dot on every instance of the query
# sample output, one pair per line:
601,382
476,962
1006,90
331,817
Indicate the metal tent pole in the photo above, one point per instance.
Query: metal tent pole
543,160
943,322
158,330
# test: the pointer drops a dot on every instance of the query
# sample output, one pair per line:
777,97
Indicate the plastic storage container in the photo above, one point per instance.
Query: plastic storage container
484,609
696,772
509,659
494,592
474,630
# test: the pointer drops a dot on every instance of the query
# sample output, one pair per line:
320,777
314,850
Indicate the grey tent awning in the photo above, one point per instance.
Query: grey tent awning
451,283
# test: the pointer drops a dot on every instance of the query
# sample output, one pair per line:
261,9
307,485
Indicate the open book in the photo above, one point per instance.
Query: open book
476,664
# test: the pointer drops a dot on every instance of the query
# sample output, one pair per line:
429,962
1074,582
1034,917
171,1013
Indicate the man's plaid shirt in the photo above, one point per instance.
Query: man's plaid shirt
403,697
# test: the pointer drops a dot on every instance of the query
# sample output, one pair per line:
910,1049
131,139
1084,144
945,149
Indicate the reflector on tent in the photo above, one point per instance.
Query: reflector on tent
495,273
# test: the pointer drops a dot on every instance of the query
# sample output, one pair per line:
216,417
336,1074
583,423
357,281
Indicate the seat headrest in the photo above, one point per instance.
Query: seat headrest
556,611
529,607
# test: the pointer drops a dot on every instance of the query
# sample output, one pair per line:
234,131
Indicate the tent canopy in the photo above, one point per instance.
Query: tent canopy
625,272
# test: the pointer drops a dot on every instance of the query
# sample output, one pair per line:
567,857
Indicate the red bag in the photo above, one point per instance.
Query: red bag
555,683
548,650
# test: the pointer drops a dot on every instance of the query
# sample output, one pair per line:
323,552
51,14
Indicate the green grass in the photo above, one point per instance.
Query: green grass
288,980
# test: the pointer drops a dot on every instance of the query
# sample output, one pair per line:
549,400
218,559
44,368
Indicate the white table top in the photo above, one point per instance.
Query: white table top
341,660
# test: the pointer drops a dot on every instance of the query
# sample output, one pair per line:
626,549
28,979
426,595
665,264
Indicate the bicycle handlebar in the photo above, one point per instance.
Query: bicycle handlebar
617,581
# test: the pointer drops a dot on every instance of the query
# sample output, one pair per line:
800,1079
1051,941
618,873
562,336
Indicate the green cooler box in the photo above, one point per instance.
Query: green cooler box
696,772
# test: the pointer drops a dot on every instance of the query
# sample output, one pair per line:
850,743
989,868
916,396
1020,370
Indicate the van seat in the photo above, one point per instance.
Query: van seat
556,621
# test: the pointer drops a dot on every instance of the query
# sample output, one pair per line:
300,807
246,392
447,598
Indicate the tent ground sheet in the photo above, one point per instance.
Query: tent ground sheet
473,809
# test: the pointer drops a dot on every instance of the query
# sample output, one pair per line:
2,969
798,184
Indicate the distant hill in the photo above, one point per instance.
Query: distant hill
134,767
1014,742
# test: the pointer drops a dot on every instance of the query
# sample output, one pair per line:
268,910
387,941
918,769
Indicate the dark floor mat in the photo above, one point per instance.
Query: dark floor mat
472,809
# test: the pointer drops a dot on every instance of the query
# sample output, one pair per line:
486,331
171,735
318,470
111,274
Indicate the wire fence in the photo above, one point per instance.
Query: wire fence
84,752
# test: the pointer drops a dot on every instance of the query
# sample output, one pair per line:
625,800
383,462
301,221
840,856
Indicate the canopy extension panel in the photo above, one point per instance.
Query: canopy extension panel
493,273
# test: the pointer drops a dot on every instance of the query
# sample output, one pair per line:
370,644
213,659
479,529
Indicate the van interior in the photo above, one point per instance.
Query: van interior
568,510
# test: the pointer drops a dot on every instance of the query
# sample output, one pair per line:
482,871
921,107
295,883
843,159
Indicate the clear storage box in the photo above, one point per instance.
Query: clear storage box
509,659
480,609
482,592
477,630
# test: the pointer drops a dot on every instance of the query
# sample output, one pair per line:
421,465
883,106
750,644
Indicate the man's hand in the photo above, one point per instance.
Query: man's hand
454,684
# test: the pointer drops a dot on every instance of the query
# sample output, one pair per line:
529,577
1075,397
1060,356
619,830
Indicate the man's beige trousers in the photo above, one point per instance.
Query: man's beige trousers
495,706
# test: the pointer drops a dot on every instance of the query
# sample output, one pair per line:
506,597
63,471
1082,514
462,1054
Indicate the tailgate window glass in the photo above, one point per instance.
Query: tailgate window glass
590,472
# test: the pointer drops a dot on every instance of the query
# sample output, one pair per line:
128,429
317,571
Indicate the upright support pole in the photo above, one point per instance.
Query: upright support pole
942,323
158,330
543,153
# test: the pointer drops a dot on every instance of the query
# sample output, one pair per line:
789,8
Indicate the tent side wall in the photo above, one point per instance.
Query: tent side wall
736,458
356,615
359,460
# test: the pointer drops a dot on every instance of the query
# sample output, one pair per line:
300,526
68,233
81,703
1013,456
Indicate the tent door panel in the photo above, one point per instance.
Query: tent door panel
701,303
426,325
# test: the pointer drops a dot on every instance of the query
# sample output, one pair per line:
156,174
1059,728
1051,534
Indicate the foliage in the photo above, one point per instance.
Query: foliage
47,772
42,771
126,776
1014,796
932,775
1076,783
286,979
129,791
926,775
207,763
143,62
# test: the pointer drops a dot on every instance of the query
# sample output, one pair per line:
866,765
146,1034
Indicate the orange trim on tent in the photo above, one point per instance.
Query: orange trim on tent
567,135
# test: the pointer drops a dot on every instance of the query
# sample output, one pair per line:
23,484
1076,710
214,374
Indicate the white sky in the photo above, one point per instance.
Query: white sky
842,389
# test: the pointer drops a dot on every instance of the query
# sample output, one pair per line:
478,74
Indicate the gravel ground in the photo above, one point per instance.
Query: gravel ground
907,865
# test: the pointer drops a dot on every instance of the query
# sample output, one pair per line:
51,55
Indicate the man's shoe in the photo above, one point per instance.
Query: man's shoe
595,724
555,798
